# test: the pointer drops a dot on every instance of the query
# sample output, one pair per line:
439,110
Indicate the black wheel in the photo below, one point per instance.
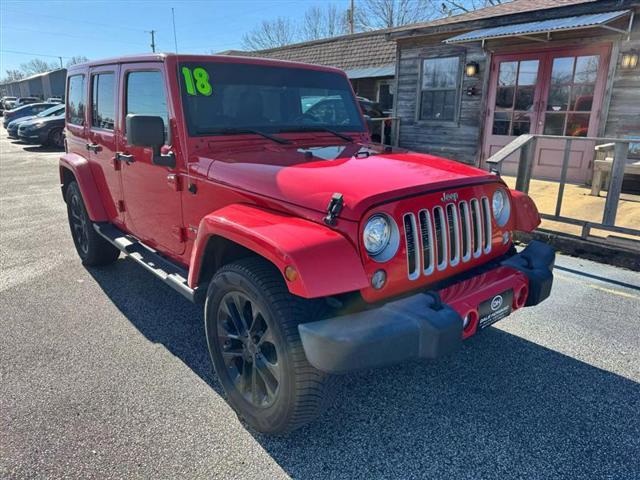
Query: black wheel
92,248
56,138
251,322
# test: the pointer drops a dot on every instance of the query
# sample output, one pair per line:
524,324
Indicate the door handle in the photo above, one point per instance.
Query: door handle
93,147
125,157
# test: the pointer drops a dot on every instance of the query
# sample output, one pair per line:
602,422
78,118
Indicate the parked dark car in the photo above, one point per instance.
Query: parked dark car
12,128
44,129
25,111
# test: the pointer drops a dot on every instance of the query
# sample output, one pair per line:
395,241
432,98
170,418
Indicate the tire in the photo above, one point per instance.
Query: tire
289,392
56,138
91,247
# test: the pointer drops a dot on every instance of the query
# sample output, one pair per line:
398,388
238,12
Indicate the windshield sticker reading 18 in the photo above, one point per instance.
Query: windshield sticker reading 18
201,84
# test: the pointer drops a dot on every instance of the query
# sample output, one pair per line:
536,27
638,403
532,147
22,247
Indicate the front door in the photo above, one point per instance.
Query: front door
152,202
553,92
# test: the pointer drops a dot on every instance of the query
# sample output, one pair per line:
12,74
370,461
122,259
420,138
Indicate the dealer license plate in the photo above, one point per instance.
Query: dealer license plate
494,309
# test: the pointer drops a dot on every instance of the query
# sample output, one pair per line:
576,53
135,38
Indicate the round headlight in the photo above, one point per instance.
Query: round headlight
501,207
377,234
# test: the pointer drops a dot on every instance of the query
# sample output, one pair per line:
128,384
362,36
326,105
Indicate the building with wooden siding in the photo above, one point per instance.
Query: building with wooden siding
469,84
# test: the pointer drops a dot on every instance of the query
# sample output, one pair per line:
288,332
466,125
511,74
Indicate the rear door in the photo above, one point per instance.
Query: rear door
152,201
101,137
75,114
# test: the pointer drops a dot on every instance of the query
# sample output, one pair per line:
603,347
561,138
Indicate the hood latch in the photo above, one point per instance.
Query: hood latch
334,208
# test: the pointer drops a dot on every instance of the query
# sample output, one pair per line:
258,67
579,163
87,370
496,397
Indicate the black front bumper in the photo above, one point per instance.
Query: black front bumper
34,137
419,326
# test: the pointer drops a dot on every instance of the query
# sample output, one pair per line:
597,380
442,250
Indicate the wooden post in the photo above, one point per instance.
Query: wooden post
615,183
563,174
396,132
525,165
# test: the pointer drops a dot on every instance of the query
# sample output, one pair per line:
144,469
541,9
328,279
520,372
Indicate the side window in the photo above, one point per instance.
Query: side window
439,89
103,101
76,100
146,96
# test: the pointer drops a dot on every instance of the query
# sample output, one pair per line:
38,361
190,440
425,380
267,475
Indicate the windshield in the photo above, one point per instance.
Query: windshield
224,98
57,110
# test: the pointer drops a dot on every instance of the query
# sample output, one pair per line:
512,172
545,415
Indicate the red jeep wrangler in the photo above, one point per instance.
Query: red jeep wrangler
251,186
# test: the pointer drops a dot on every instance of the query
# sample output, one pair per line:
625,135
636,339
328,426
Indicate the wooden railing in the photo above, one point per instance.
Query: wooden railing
395,130
525,147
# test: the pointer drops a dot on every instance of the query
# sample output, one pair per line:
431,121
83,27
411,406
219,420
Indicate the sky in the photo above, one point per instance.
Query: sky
48,29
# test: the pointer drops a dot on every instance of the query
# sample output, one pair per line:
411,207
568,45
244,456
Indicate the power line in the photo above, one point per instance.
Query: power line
85,37
34,54
76,22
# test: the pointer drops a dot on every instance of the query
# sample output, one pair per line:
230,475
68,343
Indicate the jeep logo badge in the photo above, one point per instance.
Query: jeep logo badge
496,303
449,197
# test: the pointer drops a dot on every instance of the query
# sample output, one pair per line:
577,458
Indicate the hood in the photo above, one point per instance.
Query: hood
41,120
364,176
20,120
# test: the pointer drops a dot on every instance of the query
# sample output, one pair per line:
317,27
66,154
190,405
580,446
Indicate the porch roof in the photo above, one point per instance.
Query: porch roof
371,72
542,26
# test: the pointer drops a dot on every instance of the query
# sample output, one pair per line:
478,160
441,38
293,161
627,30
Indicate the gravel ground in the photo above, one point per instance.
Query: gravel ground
104,373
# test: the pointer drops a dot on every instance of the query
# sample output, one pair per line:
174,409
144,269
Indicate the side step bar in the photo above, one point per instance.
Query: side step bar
173,275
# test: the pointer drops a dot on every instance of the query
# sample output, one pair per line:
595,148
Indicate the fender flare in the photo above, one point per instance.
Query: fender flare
326,262
525,212
81,170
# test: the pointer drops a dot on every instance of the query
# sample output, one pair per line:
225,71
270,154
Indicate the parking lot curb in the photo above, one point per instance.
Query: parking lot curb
598,251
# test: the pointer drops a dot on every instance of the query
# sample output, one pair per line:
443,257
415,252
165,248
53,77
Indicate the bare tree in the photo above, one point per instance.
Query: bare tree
324,22
77,59
375,14
12,76
270,34
37,65
455,7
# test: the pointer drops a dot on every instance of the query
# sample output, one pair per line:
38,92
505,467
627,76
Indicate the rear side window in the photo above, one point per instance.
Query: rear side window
103,111
76,100
146,96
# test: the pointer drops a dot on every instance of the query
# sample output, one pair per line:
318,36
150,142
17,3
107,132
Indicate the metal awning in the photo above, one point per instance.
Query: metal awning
525,30
372,72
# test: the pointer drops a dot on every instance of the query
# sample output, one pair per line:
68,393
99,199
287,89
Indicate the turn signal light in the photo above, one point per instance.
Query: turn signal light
291,273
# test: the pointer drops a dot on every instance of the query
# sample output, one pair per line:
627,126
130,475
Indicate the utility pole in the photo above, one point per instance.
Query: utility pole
153,40
351,17
60,62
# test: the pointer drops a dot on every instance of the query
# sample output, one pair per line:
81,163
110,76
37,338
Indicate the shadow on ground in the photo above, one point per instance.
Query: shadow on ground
502,407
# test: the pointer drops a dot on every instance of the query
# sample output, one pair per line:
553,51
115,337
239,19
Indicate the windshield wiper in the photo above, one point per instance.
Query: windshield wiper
240,131
319,129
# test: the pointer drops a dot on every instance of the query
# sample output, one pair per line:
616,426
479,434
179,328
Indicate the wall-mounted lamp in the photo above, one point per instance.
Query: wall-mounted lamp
629,60
471,69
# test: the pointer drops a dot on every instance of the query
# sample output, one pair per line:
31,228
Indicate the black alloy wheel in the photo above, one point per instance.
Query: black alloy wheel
56,138
78,222
248,349
251,324
91,247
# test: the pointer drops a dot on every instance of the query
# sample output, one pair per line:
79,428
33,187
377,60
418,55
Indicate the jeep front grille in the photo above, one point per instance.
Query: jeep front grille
445,236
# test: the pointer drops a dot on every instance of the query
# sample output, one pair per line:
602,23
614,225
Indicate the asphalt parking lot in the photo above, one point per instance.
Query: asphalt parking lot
105,374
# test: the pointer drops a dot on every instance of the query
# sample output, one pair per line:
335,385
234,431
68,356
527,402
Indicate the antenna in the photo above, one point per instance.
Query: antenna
175,37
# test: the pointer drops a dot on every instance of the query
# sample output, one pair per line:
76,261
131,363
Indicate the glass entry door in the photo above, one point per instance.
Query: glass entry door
555,92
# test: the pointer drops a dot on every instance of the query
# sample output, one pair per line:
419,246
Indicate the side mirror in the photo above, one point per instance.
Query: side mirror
148,131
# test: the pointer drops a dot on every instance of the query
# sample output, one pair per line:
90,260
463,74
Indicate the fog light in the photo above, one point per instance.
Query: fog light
379,279
466,320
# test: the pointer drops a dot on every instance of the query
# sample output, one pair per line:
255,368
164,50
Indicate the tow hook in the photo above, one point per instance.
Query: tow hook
334,208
